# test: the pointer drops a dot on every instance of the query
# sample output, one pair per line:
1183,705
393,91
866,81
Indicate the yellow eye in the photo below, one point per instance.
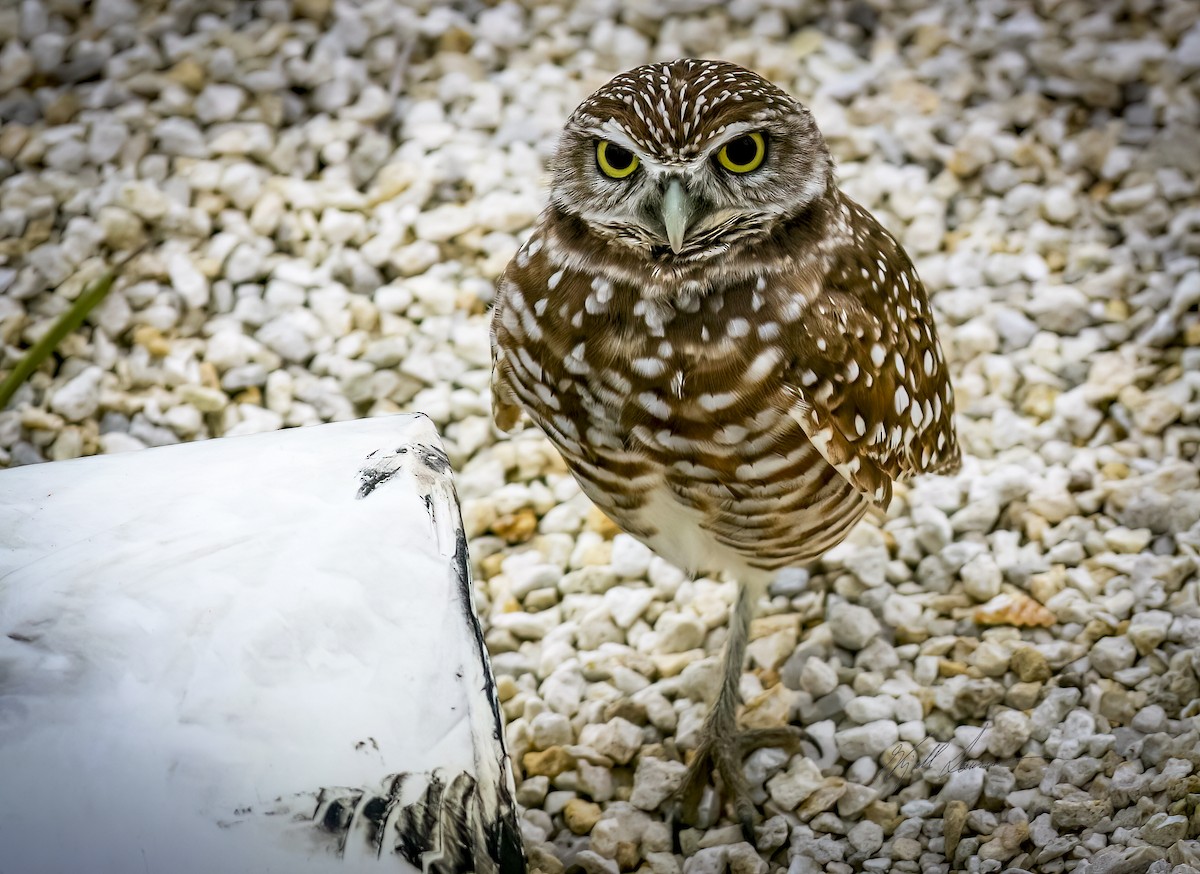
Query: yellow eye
743,154
615,161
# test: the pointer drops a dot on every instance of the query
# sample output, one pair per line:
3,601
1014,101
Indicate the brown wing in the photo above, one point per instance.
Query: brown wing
871,383
506,408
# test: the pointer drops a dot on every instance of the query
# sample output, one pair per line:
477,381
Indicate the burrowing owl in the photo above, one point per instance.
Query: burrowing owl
734,358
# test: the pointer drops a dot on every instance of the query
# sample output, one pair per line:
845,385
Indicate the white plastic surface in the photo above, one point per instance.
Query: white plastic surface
202,645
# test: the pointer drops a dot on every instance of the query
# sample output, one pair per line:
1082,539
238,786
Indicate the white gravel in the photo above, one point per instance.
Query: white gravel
331,187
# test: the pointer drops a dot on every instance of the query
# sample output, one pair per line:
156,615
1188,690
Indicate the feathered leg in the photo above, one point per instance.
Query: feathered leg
722,747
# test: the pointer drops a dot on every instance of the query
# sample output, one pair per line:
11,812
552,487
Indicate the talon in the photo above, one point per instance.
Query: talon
676,828
723,752
683,815
746,818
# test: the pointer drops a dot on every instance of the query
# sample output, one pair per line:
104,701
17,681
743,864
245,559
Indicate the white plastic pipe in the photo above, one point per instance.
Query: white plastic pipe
249,654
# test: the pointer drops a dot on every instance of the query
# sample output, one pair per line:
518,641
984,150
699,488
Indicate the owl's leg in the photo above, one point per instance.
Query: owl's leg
722,746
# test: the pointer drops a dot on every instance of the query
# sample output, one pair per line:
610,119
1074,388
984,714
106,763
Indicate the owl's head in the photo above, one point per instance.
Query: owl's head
680,160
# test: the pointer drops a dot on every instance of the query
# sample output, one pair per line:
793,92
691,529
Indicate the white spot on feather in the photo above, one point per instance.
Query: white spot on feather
714,402
654,405
649,367
762,365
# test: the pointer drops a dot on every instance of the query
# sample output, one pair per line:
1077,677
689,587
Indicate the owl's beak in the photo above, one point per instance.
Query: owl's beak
676,212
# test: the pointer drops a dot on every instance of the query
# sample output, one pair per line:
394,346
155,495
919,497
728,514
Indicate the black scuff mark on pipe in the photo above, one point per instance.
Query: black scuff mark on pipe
416,826
373,476
462,570
433,457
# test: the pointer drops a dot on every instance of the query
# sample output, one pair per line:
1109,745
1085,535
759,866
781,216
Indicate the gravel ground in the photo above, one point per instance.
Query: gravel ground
1002,674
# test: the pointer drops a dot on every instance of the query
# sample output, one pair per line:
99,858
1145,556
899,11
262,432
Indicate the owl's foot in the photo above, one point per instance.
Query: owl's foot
723,752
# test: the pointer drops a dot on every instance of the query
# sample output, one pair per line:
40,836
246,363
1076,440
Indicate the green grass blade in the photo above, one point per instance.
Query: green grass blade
67,322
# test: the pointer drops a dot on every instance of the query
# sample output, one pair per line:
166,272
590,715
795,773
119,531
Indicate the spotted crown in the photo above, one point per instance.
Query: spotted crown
672,110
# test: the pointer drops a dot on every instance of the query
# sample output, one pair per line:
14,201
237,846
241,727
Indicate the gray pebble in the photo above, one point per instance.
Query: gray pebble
866,837
852,627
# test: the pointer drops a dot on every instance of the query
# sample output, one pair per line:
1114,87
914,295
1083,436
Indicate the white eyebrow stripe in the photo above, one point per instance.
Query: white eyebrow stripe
731,133
612,131
615,134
